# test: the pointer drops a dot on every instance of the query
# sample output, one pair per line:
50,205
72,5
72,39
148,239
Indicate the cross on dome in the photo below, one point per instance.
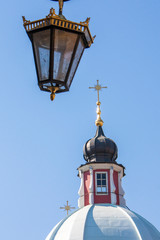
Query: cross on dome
97,88
67,208
99,121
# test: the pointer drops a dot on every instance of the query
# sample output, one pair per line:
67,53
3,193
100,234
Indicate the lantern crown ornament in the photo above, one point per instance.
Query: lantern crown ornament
58,45
60,6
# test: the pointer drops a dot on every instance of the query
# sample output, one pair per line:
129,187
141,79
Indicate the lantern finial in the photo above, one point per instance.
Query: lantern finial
53,90
99,121
60,5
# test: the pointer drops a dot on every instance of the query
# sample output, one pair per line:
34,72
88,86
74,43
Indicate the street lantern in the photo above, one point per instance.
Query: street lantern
58,45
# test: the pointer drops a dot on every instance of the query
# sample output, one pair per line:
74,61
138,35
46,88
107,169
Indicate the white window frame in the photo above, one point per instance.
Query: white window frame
101,193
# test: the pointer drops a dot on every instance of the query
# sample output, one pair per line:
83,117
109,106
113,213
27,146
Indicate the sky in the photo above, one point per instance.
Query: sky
41,142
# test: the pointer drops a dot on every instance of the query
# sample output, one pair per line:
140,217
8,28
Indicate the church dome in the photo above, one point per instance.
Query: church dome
100,148
104,221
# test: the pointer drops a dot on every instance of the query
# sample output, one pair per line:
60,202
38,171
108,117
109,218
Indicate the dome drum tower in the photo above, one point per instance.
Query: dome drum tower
101,175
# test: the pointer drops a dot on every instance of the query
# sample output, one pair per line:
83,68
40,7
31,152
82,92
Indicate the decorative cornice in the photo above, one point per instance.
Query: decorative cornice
86,22
52,14
117,167
55,20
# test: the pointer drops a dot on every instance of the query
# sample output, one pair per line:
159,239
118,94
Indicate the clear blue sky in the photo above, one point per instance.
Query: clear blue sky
41,141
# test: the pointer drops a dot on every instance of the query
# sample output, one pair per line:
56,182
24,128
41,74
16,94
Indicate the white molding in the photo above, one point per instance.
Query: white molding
113,187
102,166
122,201
81,190
91,188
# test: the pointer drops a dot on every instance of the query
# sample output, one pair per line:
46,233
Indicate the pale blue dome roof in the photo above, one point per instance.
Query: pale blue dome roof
104,222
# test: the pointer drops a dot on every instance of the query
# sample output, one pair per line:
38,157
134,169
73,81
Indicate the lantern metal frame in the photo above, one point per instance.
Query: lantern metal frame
53,22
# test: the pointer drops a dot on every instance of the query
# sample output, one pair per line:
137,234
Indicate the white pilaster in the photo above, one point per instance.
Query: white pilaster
81,190
91,188
122,201
113,187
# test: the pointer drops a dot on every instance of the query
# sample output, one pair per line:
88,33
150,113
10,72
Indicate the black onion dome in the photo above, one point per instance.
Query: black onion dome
100,148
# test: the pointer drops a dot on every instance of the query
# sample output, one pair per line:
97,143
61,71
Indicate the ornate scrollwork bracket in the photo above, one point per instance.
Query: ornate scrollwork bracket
24,20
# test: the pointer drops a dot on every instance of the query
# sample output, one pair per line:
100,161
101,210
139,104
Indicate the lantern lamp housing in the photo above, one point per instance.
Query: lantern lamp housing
58,45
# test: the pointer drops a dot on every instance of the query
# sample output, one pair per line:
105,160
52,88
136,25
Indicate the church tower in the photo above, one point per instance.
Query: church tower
101,175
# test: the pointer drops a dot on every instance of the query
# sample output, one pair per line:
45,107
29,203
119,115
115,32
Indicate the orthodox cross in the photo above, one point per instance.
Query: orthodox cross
99,121
97,88
67,208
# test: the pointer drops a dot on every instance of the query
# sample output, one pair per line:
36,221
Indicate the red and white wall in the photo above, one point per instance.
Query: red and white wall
87,192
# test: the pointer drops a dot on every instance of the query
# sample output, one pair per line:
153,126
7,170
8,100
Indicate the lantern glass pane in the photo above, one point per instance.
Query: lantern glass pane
63,48
87,35
41,41
76,61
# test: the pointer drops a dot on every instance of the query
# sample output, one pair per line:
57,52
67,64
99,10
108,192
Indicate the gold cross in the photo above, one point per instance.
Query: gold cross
67,208
97,88
99,121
